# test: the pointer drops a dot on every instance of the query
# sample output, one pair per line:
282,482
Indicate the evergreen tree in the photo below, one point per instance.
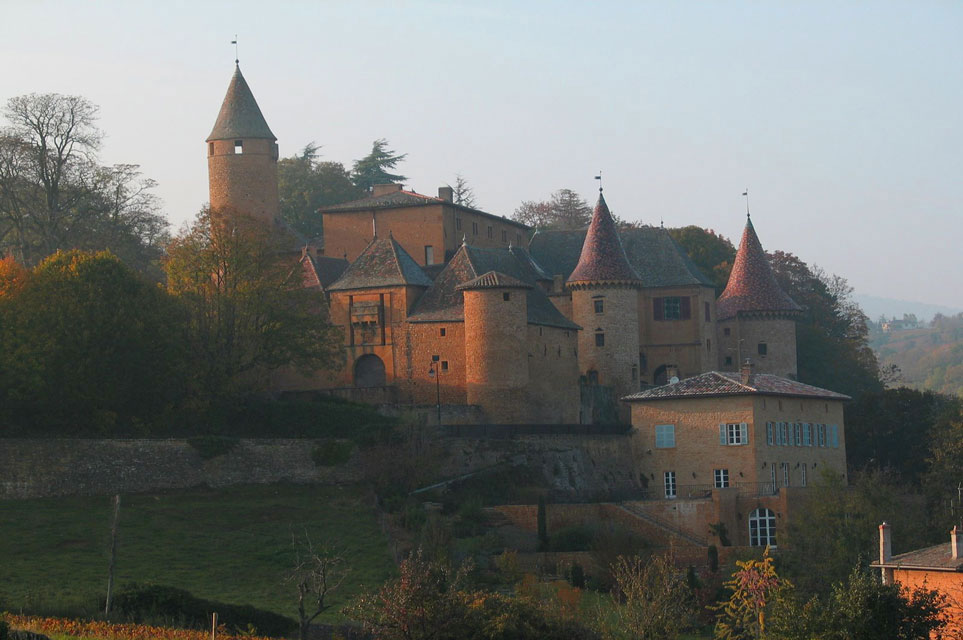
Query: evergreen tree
375,167
305,184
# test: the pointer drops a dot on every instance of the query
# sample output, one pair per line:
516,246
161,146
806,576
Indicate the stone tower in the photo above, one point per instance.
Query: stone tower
756,319
605,302
496,350
242,156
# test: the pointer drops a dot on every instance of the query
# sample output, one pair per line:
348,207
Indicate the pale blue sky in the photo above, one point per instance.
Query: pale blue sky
842,118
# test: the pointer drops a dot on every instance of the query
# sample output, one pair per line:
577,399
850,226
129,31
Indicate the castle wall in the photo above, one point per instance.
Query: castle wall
423,340
745,334
496,353
552,391
688,345
245,183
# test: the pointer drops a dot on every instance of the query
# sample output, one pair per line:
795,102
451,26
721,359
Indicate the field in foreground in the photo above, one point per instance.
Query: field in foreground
230,545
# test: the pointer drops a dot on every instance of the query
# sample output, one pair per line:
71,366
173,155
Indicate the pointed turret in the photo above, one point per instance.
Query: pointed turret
240,117
752,287
603,259
242,155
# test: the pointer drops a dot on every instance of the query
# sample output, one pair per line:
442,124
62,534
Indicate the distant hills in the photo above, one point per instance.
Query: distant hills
876,306
929,358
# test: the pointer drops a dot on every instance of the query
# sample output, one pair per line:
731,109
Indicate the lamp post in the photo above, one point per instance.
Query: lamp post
434,371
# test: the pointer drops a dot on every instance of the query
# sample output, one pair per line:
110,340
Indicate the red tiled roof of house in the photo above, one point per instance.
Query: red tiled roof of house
603,258
938,557
724,383
752,285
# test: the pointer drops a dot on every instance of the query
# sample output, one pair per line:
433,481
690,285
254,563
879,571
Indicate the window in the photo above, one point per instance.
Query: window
721,477
734,433
671,308
708,345
442,332
834,436
807,435
506,296
705,306
728,361
664,436
763,349
491,232
238,146
762,528
635,373
785,474
429,254
474,228
780,434
444,366
797,428
802,476
210,148
504,235
820,435
772,477
769,434
599,306
599,339
457,224
726,332
669,481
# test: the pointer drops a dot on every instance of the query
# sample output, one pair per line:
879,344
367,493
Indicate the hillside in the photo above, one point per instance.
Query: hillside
929,358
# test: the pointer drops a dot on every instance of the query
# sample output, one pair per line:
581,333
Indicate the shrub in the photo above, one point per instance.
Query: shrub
4,630
577,576
332,453
574,538
209,447
154,603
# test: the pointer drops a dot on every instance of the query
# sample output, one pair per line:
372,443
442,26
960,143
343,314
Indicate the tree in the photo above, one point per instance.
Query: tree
318,572
650,600
375,167
713,253
756,587
306,184
564,210
250,314
88,346
462,192
54,195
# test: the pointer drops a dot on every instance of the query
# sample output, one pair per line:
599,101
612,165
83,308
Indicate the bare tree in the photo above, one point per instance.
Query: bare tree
318,572
462,192
565,210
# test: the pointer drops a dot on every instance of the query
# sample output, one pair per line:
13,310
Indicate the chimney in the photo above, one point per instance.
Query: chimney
885,553
954,544
385,189
746,371
446,193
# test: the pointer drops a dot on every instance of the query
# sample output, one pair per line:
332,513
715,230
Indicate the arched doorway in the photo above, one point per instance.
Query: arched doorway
369,371
660,376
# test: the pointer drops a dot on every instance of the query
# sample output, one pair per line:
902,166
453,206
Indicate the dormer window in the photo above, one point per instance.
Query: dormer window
238,147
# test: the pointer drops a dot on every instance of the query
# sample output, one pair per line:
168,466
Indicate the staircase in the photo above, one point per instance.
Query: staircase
661,524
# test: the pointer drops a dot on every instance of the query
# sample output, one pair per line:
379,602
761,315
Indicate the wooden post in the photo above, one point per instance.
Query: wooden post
213,625
113,556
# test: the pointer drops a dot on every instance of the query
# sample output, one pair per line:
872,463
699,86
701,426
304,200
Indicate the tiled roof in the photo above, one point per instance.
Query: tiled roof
329,269
383,263
444,301
398,199
494,280
240,117
654,255
752,287
602,258
939,557
724,383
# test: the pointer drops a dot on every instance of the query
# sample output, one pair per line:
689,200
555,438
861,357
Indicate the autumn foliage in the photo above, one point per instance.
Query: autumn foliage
108,631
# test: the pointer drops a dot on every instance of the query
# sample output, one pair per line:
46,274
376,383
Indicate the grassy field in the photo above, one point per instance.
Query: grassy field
230,545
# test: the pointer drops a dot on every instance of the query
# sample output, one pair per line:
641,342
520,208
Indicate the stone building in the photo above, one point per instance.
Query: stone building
490,321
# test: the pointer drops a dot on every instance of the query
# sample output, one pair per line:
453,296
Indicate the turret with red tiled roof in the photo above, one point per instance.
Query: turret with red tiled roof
752,287
603,259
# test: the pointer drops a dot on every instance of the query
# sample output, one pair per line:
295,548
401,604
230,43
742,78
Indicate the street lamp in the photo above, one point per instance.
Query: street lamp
434,372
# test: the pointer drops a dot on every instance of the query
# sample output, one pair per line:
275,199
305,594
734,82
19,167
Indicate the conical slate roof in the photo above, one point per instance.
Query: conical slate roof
752,287
603,258
383,263
494,280
240,117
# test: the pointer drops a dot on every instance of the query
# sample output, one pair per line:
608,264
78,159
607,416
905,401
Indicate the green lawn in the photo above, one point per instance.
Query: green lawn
231,545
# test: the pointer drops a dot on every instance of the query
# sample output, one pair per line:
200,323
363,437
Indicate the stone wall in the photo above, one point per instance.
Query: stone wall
245,183
33,468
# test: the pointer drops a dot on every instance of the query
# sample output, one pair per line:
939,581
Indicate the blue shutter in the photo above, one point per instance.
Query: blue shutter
769,433
743,433
722,434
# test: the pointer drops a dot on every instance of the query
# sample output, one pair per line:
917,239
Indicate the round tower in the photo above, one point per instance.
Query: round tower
496,353
756,318
605,302
242,156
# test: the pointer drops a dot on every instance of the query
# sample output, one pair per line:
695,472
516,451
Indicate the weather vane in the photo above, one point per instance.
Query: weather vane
234,42
599,178
746,193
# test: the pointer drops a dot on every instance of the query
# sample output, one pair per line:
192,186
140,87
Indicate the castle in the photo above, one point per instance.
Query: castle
495,322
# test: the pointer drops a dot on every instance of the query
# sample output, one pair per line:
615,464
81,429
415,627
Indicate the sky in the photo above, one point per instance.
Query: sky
843,119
